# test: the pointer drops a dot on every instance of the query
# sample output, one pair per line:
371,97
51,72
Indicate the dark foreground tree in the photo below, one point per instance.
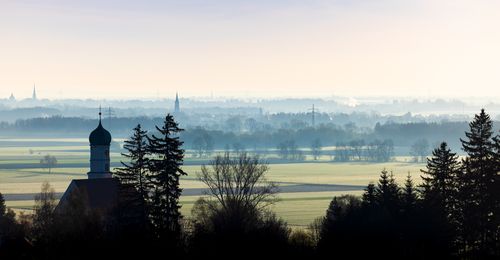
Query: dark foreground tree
13,244
43,218
238,182
3,208
388,193
233,219
478,191
439,197
409,196
165,161
134,171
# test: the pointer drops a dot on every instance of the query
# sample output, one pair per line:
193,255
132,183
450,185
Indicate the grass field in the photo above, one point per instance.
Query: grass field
298,208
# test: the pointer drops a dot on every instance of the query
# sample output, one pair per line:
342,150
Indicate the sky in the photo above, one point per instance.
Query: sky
261,48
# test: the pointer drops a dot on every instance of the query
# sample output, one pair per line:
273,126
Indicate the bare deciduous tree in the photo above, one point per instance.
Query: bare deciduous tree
238,181
48,162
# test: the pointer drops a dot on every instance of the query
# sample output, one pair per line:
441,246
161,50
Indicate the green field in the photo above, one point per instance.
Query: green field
298,208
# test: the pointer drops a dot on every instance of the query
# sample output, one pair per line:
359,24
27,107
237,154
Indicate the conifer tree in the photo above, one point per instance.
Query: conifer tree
369,196
440,180
3,208
409,194
166,159
387,192
134,171
334,210
479,187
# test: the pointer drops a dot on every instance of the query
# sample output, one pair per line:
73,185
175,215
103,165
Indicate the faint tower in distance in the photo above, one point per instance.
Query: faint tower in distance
34,92
12,98
313,116
177,108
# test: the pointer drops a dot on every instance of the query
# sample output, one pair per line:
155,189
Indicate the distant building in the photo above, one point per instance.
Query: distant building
177,108
100,191
12,98
34,93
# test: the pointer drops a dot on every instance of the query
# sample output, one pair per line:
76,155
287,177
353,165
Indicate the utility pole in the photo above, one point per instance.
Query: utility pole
111,113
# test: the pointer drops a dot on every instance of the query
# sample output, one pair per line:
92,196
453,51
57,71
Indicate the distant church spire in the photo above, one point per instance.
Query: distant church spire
177,108
12,98
34,92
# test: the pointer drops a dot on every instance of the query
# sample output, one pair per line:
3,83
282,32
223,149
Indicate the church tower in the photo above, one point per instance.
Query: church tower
34,93
177,108
100,140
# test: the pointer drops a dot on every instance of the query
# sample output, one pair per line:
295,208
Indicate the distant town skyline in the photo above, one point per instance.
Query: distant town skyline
318,48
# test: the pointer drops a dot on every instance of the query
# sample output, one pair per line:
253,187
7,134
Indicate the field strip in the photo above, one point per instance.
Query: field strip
202,191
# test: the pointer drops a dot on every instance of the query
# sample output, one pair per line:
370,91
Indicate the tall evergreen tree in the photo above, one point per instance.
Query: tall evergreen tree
166,159
134,171
409,197
479,187
388,192
3,208
440,180
369,196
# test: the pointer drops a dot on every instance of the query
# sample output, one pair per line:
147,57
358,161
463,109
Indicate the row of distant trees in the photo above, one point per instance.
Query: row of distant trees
202,133
358,150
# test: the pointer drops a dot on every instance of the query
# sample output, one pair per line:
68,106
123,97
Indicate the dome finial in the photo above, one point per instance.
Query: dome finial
100,113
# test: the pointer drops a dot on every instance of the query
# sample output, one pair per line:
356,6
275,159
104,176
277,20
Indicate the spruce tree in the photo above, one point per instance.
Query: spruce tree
387,192
134,171
369,196
409,197
166,159
440,180
479,187
3,208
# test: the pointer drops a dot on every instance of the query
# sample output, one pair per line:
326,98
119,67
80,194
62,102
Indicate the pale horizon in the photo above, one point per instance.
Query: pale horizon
150,49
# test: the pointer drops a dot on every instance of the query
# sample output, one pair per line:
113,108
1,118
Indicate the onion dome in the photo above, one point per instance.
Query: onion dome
100,136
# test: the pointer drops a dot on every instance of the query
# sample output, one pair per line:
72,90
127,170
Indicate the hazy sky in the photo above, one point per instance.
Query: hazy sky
120,48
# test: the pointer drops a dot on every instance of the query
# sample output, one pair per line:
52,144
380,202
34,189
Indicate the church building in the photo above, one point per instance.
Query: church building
100,190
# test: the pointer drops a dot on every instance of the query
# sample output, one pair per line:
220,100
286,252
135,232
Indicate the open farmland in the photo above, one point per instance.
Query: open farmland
306,187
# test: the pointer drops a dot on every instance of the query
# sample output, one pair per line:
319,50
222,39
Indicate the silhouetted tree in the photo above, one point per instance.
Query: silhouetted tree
478,189
409,196
43,218
3,208
164,165
233,219
388,192
238,182
440,180
369,196
133,173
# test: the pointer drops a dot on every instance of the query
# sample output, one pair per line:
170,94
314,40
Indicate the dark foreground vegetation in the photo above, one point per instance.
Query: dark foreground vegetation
455,213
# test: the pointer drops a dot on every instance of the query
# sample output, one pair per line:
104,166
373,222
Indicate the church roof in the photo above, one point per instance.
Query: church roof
99,194
100,136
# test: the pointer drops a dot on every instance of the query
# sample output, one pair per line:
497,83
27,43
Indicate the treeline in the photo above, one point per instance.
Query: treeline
249,132
455,213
